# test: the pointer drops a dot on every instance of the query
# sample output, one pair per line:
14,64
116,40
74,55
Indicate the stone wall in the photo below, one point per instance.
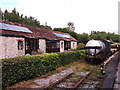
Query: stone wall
73,45
42,45
9,47
61,46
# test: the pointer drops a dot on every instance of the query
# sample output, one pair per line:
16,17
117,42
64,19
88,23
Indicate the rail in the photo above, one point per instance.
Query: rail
77,84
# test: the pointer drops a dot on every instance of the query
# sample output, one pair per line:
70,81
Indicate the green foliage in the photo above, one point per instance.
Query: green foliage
23,68
14,16
80,46
68,57
98,35
83,38
1,14
105,36
46,27
86,69
65,30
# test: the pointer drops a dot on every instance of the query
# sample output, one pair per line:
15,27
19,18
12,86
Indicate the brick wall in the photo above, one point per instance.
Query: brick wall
9,47
42,45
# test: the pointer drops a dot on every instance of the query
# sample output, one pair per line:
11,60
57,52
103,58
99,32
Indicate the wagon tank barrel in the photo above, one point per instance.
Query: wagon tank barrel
97,50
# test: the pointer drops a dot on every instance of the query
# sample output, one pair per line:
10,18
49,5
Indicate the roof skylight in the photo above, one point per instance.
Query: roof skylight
62,35
14,28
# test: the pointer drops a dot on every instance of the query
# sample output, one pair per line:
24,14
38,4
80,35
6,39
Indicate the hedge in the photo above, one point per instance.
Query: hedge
23,68
68,57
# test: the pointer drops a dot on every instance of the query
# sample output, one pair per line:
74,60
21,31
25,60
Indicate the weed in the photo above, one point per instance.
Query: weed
76,76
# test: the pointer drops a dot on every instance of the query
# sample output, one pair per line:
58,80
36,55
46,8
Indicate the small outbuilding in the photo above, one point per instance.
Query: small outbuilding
18,40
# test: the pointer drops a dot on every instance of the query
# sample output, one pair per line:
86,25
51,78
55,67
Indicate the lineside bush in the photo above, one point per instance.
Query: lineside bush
23,68
68,57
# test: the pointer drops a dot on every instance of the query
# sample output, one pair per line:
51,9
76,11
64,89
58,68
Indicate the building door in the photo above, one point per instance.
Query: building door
31,45
67,45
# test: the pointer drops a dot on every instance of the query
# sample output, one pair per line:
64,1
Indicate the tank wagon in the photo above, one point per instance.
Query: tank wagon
97,50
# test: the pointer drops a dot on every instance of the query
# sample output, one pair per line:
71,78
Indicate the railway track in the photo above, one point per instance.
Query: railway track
82,80
72,79
77,82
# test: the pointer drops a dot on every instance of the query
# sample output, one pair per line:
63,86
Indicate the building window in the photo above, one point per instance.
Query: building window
61,44
20,45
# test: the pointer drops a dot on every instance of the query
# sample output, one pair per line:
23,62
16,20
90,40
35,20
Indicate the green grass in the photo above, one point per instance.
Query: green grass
76,76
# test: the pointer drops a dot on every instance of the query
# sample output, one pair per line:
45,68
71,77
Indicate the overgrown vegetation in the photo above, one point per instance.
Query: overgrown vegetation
68,57
77,66
80,46
24,68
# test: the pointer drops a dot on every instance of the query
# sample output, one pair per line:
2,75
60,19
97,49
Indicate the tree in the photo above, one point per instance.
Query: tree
105,36
98,35
46,27
6,15
71,26
83,38
14,16
1,14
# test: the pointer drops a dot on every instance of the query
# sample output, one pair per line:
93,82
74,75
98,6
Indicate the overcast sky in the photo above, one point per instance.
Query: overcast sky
87,15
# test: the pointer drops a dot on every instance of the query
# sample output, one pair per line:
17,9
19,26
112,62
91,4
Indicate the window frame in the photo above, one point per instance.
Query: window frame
20,45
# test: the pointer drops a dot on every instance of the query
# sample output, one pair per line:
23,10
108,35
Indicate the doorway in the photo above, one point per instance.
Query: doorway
31,45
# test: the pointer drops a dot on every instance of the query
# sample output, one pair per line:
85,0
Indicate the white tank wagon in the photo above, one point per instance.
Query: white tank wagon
97,50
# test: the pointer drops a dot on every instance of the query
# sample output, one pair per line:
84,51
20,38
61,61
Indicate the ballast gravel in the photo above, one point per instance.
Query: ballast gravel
46,82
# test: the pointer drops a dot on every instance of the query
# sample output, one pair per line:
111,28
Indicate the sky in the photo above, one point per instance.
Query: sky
87,15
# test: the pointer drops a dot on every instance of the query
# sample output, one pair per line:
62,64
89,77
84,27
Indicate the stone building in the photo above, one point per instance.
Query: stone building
18,40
